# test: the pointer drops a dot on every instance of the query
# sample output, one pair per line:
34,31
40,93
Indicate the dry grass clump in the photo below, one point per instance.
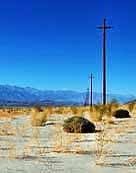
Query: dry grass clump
39,116
67,111
60,110
131,106
73,110
48,110
96,113
7,129
104,139
13,112
104,112
77,111
4,113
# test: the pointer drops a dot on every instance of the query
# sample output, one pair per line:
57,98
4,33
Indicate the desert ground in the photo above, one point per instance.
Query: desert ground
48,149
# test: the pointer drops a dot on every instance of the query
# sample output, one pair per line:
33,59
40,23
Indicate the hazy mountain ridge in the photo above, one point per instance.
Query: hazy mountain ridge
27,95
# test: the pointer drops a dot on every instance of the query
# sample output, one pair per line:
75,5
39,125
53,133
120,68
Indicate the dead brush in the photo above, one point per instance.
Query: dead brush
67,111
104,138
33,145
59,110
100,146
103,144
7,129
48,111
39,117
13,112
4,114
77,111
97,113
63,142
131,107
101,112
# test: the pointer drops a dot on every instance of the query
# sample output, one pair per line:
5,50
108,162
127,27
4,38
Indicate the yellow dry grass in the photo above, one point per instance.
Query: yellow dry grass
13,112
39,117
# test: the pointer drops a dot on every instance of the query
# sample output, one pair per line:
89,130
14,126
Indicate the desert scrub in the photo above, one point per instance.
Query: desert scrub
77,124
39,116
103,140
77,111
131,106
60,110
121,113
67,111
48,110
111,107
100,112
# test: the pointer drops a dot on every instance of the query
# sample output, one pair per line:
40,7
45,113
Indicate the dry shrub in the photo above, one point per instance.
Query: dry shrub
104,139
48,110
101,112
39,117
4,114
7,129
67,111
13,112
77,111
131,106
77,124
96,113
59,110
121,113
62,110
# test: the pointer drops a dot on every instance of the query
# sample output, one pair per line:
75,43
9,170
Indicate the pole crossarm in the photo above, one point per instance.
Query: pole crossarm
91,77
104,27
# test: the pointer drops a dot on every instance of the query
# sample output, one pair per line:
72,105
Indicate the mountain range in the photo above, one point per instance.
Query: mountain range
25,96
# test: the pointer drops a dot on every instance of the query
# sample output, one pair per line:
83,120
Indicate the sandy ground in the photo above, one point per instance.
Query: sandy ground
27,149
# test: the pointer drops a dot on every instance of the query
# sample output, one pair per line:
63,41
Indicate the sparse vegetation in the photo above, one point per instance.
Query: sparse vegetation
77,121
131,106
104,112
121,113
39,116
103,144
78,125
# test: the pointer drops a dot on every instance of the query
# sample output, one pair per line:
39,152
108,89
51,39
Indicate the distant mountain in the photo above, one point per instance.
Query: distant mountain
14,95
131,101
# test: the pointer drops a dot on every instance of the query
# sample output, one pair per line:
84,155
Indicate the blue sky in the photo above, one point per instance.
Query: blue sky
49,44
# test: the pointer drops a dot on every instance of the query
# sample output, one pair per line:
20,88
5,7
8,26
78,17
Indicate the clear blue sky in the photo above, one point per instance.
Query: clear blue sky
54,44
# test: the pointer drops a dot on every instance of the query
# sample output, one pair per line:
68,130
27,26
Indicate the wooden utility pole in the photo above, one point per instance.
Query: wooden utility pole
104,27
91,89
87,98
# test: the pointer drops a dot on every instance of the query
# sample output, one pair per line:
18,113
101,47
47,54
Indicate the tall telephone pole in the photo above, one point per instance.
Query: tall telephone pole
86,103
91,89
104,27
